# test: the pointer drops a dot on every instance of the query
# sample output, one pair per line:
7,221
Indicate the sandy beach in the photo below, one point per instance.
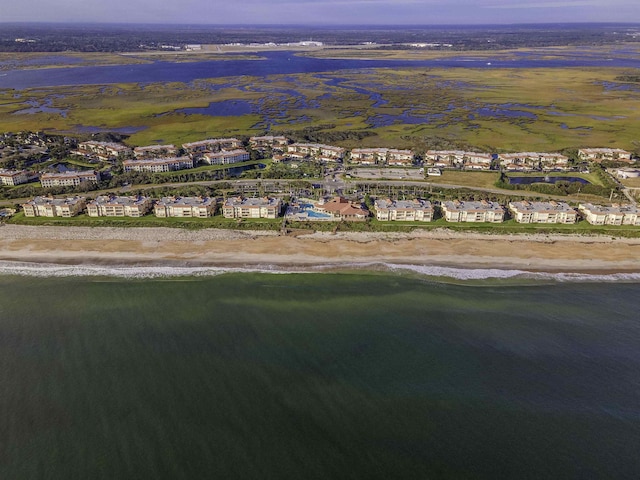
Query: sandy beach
168,246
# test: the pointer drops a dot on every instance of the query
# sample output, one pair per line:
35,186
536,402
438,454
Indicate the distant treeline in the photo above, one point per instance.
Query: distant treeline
118,38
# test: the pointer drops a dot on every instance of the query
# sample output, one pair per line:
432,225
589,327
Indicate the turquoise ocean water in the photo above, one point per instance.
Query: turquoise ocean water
318,375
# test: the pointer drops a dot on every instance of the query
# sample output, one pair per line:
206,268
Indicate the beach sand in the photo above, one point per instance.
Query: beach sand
169,246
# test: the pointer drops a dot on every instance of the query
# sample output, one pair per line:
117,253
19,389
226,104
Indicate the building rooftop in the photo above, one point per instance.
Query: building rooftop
186,201
119,200
481,206
610,210
68,174
542,207
403,204
55,201
252,202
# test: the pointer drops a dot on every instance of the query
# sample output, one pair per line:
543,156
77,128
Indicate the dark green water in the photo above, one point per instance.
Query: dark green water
317,376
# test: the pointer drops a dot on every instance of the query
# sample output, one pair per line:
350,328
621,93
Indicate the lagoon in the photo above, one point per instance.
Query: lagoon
275,63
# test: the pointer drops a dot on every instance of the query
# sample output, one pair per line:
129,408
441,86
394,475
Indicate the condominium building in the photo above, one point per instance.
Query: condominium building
399,157
369,156
610,215
68,179
224,157
404,210
157,165
342,209
543,212
211,145
102,150
240,207
269,141
600,154
483,211
198,207
54,207
118,206
458,158
156,151
326,152
533,160
13,177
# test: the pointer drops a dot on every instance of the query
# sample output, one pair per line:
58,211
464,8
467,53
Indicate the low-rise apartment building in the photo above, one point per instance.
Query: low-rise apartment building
543,212
157,165
211,145
54,207
483,211
610,215
102,150
241,207
600,154
269,141
118,206
156,151
368,156
68,179
13,177
404,210
400,157
183,207
458,158
224,157
322,152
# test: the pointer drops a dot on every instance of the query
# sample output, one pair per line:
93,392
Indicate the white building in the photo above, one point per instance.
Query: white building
68,179
211,145
224,157
118,206
240,207
269,141
13,177
54,207
543,212
483,211
600,154
184,207
155,151
404,210
102,150
613,215
157,165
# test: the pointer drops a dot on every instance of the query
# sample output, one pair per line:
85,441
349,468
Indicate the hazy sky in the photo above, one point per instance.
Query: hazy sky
426,12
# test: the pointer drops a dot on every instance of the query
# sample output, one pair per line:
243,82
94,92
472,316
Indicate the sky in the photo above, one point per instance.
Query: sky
326,12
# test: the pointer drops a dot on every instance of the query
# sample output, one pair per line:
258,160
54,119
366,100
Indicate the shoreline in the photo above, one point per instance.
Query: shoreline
169,248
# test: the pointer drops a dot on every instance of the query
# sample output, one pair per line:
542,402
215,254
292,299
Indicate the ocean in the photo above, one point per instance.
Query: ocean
352,374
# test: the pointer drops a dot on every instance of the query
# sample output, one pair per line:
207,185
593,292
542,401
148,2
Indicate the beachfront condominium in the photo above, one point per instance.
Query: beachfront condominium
400,158
262,207
158,165
404,210
156,151
118,206
68,179
13,177
54,207
225,157
601,154
610,215
543,212
483,211
184,207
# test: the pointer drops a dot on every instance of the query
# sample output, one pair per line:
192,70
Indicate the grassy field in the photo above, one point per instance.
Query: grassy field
467,179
